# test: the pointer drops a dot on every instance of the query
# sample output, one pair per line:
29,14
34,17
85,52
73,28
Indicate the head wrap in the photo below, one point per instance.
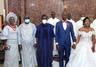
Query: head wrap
11,14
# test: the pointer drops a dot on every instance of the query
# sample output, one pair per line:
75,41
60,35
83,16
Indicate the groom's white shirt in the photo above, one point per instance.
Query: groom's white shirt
93,25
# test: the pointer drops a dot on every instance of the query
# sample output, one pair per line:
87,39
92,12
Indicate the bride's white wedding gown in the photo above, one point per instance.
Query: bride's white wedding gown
83,56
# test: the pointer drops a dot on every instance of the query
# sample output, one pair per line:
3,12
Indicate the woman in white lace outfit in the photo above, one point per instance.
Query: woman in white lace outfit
10,45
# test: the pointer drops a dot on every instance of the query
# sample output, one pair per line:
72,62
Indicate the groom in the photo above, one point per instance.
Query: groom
64,29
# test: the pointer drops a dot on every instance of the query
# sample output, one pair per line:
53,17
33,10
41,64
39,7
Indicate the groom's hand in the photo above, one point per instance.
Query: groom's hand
36,45
57,46
74,46
93,48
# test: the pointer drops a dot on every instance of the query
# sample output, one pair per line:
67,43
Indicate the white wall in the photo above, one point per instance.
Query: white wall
2,12
1,4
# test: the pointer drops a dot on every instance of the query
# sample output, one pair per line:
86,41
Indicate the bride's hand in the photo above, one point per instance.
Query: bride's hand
74,46
93,48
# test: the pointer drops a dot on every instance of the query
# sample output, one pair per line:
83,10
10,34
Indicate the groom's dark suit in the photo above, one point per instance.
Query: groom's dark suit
64,41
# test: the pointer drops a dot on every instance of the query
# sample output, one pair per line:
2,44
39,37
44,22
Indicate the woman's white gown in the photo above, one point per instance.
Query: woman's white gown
83,56
11,55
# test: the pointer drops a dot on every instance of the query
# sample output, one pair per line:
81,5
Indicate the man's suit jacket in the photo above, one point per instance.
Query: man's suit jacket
63,36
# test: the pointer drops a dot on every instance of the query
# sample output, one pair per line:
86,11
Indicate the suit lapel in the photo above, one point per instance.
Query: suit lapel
67,25
62,25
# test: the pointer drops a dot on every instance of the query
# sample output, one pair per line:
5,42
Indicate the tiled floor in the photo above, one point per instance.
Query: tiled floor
1,65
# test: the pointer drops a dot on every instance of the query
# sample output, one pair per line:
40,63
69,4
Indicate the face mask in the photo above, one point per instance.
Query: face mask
44,21
27,21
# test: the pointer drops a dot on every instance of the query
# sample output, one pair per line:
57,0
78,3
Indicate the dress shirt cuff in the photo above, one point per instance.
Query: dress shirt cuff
56,43
74,42
35,42
19,43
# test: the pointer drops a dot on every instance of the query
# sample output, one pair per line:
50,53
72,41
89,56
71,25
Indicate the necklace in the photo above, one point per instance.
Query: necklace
13,27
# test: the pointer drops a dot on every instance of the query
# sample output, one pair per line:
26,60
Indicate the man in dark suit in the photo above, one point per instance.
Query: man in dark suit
64,29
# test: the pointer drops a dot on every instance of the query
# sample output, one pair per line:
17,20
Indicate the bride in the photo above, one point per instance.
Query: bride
83,54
